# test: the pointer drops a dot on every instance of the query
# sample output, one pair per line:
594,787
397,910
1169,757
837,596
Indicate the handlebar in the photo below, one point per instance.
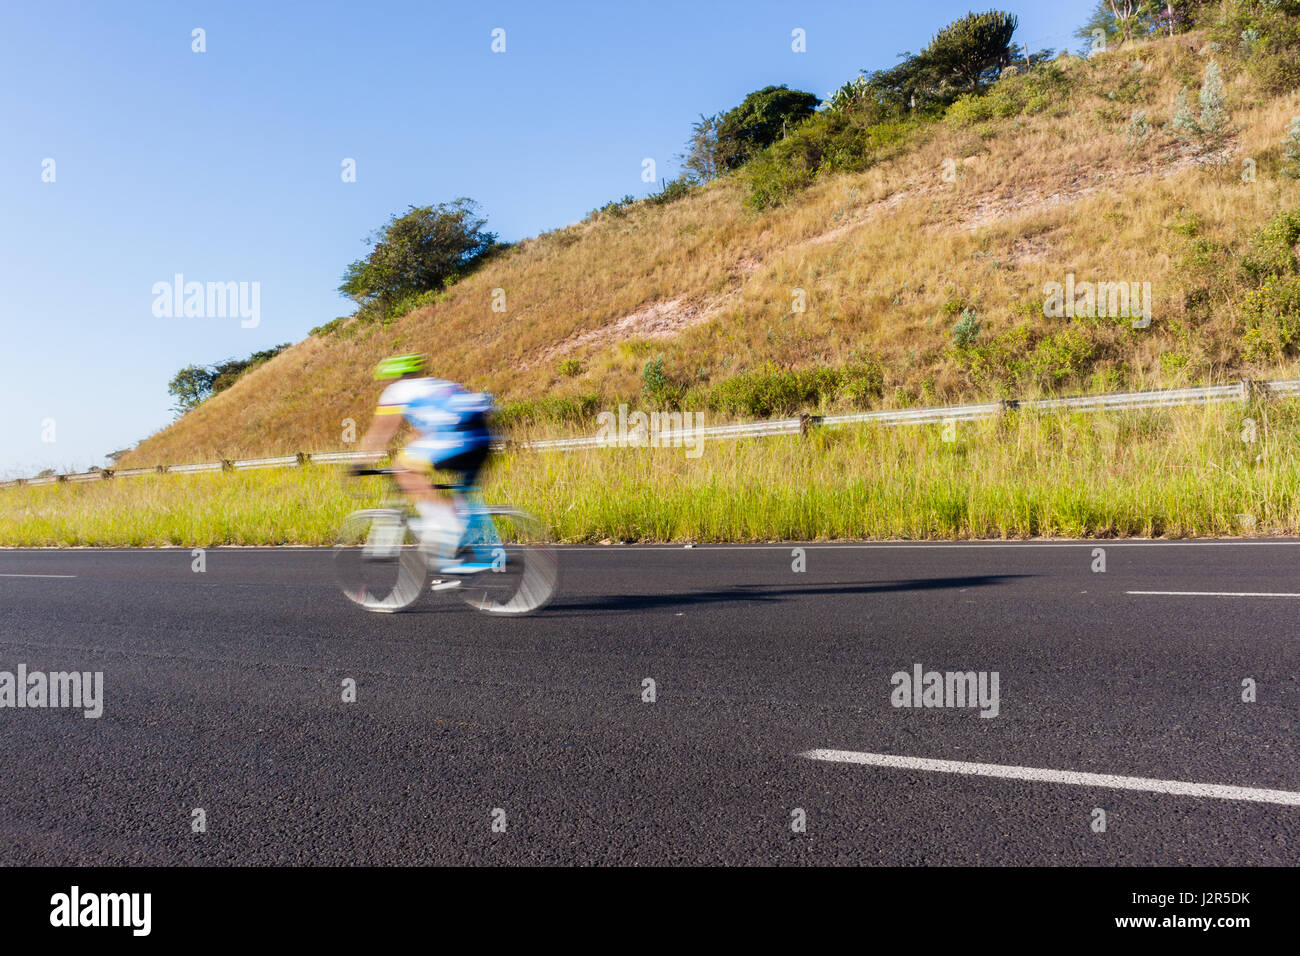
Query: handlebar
356,471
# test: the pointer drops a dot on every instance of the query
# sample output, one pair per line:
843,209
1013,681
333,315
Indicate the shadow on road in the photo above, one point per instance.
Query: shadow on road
761,593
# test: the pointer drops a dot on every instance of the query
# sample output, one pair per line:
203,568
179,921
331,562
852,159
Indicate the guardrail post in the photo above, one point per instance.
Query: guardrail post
227,465
161,469
303,459
808,422
1008,405
60,477
106,473
1248,390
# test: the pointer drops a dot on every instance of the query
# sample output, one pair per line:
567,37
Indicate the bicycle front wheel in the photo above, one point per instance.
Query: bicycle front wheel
378,562
525,569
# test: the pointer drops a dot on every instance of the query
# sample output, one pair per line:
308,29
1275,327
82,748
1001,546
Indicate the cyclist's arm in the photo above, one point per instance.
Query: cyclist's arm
382,429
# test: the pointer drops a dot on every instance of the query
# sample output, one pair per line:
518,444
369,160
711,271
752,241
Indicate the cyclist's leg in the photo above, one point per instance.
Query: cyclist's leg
467,463
413,478
440,526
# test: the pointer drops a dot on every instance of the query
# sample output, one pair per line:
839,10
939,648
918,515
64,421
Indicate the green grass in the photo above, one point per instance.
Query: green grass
1176,472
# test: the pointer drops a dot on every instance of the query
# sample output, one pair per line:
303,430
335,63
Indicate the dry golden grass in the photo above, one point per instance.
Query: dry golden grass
1155,473
879,254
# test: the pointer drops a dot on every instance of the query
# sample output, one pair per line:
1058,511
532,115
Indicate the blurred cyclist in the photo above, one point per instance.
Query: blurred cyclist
452,435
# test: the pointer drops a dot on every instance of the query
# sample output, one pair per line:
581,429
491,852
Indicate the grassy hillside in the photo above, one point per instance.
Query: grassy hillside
1051,177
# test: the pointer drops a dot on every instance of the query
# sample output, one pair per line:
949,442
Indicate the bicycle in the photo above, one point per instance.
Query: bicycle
380,565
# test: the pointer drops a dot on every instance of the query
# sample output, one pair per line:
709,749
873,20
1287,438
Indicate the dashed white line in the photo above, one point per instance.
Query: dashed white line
1259,594
1181,788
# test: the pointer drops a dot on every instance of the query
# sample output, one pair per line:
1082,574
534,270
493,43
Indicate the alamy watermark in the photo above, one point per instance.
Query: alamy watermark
128,910
79,689
651,430
946,689
208,300
1115,300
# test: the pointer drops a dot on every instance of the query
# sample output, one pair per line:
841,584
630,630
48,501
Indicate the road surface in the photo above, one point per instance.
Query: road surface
773,736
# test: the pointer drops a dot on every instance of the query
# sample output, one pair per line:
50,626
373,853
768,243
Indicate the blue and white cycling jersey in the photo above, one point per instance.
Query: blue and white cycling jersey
449,419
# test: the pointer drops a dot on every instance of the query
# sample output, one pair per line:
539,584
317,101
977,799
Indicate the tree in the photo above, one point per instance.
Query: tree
724,142
1214,114
190,386
428,248
1122,20
224,374
1126,15
762,118
194,384
702,156
1213,120
1103,22
1184,121
968,54
964,57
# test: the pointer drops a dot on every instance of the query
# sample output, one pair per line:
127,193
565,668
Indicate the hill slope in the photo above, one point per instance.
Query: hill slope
1048,178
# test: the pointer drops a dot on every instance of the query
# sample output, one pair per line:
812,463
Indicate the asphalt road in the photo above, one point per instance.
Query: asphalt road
223,692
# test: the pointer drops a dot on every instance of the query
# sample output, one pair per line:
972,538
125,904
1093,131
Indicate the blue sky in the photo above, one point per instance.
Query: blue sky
225,166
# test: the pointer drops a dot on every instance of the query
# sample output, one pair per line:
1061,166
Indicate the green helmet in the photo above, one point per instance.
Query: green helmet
399,365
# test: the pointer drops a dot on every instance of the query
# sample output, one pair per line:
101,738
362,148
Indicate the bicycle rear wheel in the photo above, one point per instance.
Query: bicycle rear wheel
524,570
378,562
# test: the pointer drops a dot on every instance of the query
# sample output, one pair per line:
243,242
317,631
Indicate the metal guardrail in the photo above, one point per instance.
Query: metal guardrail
1241,391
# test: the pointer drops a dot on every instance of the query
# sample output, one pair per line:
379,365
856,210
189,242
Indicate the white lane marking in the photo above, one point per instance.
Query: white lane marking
1264,594
1181,788
37,575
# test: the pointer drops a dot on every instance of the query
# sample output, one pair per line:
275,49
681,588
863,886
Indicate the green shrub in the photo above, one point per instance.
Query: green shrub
1272,315
861,384
1272,250
998,364
1267,35
580,410
410,302
617,208
1214,113
673,190
1138,129
966,330
772,182
570,367
1021,357
1062,357
1274,73
1022,93
769,392
333,327
1172,362
828,142
1186,224
657,386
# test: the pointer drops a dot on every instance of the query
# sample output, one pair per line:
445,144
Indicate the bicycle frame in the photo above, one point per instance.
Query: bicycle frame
481,535
501,537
